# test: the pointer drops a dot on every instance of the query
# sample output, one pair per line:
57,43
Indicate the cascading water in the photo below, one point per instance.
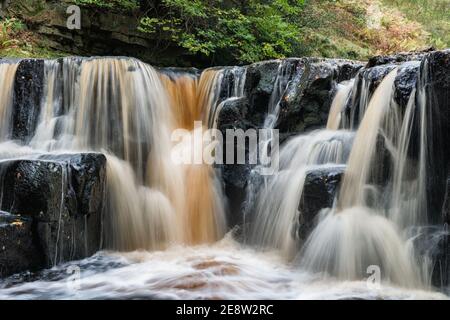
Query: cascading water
128,110
370,223
353,189
234,89
339,103
367,226
276,211
7,74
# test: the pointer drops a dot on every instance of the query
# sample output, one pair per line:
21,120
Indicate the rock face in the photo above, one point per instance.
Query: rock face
440,276
55,205
319,192
436,73
446,204
102,32
28,88
18,250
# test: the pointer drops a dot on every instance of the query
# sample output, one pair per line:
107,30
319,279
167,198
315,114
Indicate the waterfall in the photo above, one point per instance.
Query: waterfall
372,227
282,80
375,149
233,79
339,102
353,188
381,197
127,110
276,211
7,74
192,100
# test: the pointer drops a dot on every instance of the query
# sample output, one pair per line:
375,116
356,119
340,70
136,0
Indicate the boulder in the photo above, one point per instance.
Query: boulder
28,89
18,248
63,197
319,192
435,71
405,82
307,100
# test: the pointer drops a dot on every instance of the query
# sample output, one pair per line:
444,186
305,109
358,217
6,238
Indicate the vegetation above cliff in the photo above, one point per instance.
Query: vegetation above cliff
241,31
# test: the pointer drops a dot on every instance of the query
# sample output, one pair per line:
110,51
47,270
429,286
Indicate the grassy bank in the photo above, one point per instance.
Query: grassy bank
434,15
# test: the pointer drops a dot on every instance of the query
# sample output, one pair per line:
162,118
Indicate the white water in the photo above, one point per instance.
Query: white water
346,244
339,102
365,229
7,73
353,189
224,270
276,212
122,108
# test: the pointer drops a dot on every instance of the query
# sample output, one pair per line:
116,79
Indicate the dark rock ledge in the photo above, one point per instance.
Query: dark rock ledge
51,210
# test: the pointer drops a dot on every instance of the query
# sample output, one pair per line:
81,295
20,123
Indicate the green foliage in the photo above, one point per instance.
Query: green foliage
8,27
16,41
126,5
247,31
434,15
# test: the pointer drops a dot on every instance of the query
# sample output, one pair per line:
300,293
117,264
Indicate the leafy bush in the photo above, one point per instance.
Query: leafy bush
8,28
246,31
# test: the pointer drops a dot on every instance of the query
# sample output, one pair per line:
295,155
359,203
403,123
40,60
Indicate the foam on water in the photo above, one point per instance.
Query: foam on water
225,270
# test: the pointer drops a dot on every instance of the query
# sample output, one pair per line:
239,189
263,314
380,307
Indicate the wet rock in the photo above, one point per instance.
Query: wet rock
436,70
87,176
405,82
446,204
366,82
28,89
31,188
397,58
434,243
63,195
232,116
440,272
18,250
259,84
319,191
307,100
